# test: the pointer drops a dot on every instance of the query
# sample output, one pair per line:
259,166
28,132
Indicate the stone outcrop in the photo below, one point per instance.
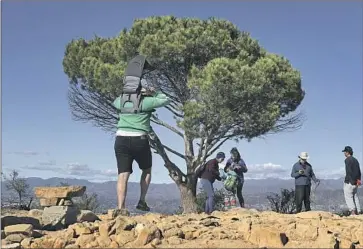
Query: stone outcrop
237,228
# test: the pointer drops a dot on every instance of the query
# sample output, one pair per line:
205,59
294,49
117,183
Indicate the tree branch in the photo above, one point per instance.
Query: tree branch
156,120
217,146
174,152
171,109
174,172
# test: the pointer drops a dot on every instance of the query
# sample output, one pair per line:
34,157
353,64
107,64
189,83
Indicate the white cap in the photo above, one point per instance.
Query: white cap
304,156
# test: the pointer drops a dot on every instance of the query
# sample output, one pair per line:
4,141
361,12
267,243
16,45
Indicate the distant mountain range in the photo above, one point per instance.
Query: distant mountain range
165,198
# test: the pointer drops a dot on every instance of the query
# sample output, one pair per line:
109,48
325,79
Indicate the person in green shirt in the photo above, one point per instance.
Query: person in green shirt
132,143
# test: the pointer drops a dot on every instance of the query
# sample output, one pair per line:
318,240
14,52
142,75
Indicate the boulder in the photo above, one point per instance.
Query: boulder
59,217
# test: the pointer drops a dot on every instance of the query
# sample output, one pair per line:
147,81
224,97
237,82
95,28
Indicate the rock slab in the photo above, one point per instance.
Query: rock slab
26,229
59,192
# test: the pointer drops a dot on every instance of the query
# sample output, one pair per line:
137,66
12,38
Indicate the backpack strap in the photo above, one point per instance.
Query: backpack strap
135,99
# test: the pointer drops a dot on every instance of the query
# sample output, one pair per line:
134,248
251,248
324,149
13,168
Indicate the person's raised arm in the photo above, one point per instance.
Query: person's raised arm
156,101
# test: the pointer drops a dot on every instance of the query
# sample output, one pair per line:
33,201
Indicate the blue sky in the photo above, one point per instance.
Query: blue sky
39,138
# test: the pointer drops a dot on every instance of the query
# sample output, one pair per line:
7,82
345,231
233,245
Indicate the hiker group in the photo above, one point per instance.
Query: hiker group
137,103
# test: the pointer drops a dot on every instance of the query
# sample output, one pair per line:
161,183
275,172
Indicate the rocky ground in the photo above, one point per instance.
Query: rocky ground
238,228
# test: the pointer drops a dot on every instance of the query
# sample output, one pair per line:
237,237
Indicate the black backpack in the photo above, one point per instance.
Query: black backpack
131,91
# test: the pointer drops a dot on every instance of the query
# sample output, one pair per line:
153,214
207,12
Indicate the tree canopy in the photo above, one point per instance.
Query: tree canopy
222,83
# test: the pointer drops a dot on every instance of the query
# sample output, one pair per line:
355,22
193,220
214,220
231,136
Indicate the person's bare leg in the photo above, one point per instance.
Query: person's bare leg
122,180
144,183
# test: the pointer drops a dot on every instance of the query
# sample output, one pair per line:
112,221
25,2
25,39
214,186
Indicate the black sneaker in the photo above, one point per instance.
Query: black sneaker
143,206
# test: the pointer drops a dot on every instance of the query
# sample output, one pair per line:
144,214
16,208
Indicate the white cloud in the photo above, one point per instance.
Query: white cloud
25,153
266,170
333,173
48,163
43,168
75,169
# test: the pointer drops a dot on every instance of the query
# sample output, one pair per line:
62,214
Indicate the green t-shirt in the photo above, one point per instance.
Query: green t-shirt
140,121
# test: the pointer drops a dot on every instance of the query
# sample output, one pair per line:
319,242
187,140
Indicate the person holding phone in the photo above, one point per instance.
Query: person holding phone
303,173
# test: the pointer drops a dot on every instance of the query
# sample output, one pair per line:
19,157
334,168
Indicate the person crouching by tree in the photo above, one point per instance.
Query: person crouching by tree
230,182
237,164
208,177
303,172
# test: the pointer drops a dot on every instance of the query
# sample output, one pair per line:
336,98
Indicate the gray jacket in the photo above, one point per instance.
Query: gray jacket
303,179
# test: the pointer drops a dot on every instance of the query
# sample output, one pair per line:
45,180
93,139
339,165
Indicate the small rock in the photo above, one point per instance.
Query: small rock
124,237
139,227
68,203
59,243
35,213
114,244
174,241
105,228
61,202
103,241
174,232
16,237
69,234
25,243
146,235
124,223
12,246
70,246
81,229
88,216
85,239
155,242
49,202
4,242
26,229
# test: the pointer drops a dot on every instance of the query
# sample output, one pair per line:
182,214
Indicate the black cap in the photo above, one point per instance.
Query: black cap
220,155
348,149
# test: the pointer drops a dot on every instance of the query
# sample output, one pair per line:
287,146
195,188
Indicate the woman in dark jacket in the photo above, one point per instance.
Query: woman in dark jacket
208,177
237,164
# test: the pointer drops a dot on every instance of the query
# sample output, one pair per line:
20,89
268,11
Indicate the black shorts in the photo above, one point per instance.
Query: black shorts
128,149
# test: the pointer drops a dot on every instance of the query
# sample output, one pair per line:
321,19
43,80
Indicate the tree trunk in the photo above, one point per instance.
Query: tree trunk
188,193
20,200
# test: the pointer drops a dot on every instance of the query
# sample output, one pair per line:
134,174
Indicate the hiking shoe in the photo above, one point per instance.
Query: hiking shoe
143,206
